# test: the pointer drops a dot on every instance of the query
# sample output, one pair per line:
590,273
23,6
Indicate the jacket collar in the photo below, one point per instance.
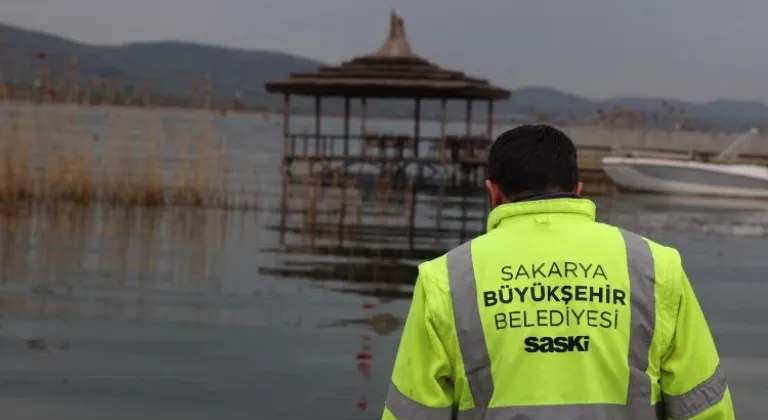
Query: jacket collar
542,204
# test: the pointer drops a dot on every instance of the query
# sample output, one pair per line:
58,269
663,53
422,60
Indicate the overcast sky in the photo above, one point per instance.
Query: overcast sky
691,49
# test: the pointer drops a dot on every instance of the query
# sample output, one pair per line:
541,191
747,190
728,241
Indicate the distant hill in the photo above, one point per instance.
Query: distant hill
168,68
172,68
727,115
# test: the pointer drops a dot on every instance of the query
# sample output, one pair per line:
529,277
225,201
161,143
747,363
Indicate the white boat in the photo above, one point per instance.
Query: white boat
690,177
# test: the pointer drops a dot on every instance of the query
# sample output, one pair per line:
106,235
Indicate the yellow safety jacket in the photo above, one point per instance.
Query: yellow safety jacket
553,316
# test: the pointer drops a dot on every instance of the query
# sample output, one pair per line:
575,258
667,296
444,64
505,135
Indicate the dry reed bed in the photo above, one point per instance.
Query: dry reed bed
68,153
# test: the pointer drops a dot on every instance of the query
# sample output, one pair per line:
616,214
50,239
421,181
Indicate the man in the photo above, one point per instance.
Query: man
551,315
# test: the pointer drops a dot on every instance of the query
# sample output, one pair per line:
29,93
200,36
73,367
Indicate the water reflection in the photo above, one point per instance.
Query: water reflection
367,232
184,313
382,324
653,214
187,281
98,261
368,239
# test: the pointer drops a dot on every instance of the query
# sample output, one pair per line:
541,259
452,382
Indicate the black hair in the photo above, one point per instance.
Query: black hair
533,159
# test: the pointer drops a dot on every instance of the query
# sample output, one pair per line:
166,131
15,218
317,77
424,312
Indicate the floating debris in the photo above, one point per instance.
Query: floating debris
37,344
41,344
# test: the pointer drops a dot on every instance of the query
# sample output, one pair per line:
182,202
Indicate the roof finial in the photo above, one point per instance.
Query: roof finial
397,42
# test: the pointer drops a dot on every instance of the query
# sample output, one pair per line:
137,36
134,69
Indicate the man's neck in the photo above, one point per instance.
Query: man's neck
543,196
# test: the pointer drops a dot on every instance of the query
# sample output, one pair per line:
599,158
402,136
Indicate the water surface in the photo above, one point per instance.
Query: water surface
198,314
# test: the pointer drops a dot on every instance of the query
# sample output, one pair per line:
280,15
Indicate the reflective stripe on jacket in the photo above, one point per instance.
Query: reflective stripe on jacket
552,316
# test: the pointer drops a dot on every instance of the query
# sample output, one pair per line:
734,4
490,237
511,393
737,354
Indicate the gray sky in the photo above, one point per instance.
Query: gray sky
690,49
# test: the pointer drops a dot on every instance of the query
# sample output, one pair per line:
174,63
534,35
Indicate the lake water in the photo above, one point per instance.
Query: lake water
191,314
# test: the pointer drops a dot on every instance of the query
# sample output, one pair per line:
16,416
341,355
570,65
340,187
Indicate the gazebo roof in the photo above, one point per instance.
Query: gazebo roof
394,71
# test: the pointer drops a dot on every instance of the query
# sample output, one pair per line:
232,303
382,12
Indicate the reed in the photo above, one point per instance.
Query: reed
69,152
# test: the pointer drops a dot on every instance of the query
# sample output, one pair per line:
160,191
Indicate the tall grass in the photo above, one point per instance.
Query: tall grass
69,152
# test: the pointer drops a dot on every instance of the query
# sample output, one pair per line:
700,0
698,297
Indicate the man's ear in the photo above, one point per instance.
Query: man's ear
495,195
579,187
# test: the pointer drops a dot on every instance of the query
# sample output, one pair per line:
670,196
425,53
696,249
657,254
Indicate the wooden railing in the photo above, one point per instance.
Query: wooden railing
378,147
450,149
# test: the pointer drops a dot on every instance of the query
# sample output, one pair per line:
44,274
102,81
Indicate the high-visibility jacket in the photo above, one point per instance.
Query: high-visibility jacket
553,316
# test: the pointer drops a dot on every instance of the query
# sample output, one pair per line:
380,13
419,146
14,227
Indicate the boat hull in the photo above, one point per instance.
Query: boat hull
663,176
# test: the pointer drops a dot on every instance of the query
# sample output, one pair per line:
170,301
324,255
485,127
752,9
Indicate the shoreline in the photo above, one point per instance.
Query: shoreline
245,111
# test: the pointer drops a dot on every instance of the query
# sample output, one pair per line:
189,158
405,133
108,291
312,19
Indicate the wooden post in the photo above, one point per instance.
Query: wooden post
467,143
489,122
419,172
343,183
363,118
443,158
417,135
464,187
443,121
287,147
319,149
469,117
416,126
287,162
346,129
283,206
411,191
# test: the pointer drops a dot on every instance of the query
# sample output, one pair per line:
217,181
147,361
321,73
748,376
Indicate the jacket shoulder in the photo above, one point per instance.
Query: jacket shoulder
664,257
669,276
433,274
667,269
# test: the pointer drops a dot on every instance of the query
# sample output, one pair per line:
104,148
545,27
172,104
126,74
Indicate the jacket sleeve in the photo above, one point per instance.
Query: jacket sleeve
692,382
421,387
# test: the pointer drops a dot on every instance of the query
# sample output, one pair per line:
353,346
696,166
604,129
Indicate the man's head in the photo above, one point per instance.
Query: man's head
531,159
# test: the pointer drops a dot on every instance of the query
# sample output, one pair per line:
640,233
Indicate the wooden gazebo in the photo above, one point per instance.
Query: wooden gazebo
394,71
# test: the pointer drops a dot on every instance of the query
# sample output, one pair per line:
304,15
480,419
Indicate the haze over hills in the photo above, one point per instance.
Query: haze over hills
168,67
172,68
727,114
